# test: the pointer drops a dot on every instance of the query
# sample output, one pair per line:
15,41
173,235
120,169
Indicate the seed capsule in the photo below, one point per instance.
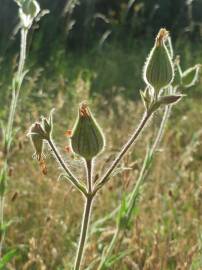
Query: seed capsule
190,76
87,139
158,70
28,11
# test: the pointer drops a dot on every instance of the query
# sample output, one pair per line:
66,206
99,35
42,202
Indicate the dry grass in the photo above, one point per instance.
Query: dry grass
166,231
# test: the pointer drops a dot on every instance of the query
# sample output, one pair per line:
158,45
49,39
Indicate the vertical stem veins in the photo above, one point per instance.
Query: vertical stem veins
89,168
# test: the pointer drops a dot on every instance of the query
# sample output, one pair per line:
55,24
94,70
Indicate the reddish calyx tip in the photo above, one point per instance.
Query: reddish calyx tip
162,36
36,126
83,110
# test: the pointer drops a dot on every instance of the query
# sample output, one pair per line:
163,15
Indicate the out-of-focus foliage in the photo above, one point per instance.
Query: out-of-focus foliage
90,21
76,34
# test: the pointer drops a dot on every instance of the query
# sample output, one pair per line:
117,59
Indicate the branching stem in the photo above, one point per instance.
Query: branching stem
124,150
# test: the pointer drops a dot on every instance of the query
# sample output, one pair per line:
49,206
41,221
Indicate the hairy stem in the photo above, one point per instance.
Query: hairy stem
9,129
83,233
70,175
147,162
159,136
17,87
86,215
131,198
121,154
89,169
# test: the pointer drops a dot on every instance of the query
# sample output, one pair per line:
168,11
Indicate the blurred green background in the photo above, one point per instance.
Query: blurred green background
106,40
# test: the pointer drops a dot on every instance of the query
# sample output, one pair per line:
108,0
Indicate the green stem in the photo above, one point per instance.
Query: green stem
105,178
89,168
130,142
109,250
9,128
146,165
18,78
132,197
84,231
159,136
86,215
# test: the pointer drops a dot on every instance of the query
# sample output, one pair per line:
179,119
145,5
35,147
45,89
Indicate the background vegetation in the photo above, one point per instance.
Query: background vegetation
95,50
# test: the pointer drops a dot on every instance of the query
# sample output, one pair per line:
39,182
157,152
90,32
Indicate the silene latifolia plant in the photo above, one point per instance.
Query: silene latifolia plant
29,10
87,139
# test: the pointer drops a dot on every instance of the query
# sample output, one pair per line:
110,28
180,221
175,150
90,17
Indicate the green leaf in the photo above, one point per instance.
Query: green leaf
166,100
7,258
3,180
115,258
122,213
6,225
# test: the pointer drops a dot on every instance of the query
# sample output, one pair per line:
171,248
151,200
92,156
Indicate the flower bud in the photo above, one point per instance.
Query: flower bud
28,11
190,76
47,125
158,70
87,139
37,136
31,8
